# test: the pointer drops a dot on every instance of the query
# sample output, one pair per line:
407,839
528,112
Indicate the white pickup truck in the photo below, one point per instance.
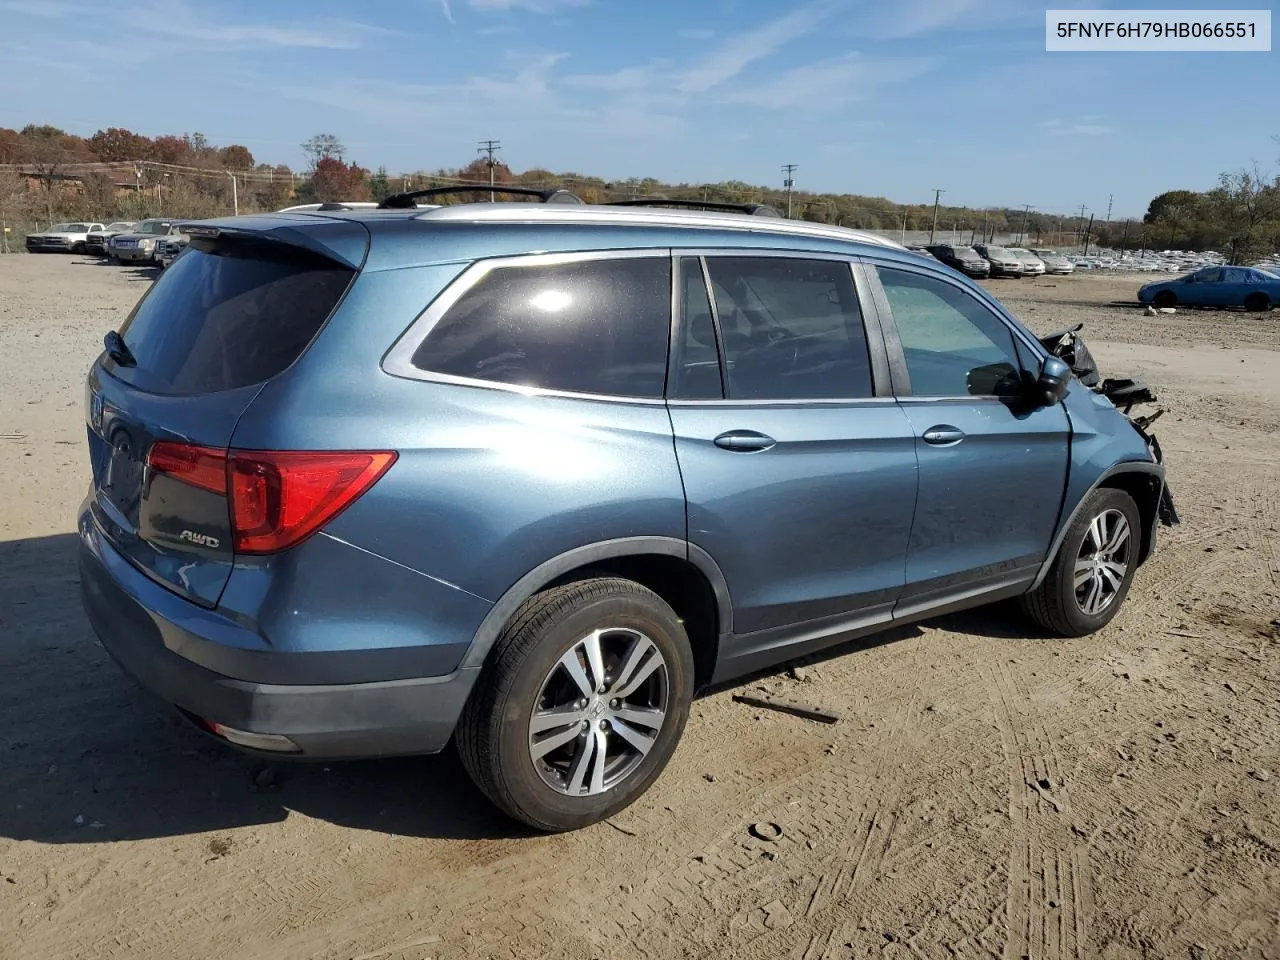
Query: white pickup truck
63,237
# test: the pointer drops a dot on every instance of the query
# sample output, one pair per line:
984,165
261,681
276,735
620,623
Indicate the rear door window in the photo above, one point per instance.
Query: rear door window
596,326
791,329
229,315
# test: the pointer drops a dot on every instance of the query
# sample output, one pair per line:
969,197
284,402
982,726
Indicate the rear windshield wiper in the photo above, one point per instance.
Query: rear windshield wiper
118,350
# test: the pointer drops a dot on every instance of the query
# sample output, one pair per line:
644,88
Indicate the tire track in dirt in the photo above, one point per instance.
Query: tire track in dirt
1046,908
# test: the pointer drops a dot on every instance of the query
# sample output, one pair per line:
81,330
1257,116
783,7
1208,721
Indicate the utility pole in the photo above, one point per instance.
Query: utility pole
1088,230
490,147
137,187
235,194
788,169
1124,241
1110,198
903,239
1026,210
1080,223
937,192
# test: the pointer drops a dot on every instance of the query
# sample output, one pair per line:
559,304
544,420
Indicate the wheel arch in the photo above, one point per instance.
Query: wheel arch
1144,482
682,574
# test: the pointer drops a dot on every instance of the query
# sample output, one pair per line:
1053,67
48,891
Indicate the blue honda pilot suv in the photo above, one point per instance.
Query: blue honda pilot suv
526,476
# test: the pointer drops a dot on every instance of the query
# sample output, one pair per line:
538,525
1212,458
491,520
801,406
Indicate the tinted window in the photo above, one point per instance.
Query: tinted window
791,329
1210,275
229,316
1235,275
697,360
954,345
591,326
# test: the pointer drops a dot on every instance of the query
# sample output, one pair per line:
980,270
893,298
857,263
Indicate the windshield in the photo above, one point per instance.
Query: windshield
158,227
964,252
997,252
1269,274
70,228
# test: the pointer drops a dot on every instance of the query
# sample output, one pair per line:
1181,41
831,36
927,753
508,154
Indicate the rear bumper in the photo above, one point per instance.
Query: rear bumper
137,620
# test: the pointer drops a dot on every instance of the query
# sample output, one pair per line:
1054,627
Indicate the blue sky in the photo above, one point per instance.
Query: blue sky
879,97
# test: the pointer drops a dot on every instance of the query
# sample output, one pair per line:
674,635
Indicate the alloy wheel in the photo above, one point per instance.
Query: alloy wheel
599,711
1102,562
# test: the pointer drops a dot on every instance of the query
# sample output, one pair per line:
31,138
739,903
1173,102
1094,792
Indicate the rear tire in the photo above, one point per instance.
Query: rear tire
1165,298
1257,302
1093,570
541,687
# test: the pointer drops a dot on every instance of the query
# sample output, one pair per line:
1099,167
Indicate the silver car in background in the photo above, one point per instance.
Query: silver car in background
1032,266
1054,262
139,244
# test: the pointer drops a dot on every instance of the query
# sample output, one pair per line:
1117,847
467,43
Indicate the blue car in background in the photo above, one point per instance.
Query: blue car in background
1247,287
524,477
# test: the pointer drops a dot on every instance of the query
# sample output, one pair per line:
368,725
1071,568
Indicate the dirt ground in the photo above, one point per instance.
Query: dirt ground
988,793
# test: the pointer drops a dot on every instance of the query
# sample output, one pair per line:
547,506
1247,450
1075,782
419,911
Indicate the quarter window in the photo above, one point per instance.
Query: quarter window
587,326
954,345
790,329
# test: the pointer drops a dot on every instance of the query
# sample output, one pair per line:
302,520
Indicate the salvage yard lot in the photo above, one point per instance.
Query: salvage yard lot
988,793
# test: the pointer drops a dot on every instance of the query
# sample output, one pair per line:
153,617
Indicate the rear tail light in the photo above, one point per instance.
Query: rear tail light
277,498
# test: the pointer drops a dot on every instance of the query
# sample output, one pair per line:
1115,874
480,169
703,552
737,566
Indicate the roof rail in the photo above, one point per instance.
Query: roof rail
406,201
754,209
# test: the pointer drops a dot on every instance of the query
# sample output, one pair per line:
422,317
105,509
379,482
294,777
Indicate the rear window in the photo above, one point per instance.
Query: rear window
229,316
587,326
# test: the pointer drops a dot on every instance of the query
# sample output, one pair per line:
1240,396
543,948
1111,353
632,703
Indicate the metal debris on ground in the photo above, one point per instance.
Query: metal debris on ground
789,706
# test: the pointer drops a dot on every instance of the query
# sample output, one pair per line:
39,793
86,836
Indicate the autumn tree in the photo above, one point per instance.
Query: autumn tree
236,157
334,180
116,144
171,149
323,146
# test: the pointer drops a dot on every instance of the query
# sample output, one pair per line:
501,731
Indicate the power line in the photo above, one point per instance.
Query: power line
490,147
788,169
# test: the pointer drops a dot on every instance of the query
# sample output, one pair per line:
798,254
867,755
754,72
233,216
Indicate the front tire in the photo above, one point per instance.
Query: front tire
1094,568
1165,298
581,705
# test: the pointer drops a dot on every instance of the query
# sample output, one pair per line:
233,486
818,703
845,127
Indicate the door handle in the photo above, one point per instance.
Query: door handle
744,441
943,435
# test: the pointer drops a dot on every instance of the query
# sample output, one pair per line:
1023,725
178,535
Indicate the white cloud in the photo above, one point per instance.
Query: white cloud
534,6
448,13
741,50
829,82
1086,126
912,18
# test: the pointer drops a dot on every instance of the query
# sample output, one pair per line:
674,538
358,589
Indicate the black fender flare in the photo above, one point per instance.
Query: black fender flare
1126,466
537,578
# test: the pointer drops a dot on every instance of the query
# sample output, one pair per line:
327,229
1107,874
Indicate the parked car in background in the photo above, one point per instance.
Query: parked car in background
96,241
325,522
62,238
1246,287
168,248
139,244
1003,262
1032,266
960,257
1054,262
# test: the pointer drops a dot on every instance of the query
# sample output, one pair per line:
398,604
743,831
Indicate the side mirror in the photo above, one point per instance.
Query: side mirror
1051,385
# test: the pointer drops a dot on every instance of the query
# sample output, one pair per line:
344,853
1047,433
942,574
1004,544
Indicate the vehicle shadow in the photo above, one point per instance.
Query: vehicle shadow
90,757
134,271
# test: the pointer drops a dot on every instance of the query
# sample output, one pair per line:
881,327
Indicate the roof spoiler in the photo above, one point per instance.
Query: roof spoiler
408,200
753,209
